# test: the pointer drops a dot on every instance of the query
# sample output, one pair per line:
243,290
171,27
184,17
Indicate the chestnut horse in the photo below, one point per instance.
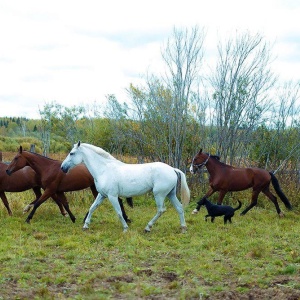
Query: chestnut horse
225,178
54,181
21,181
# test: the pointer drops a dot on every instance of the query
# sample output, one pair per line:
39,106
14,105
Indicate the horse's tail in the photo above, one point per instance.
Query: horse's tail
239,206
184,190
279,192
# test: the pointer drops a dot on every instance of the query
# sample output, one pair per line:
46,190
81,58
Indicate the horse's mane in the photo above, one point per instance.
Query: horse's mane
98,150
217,157
40,155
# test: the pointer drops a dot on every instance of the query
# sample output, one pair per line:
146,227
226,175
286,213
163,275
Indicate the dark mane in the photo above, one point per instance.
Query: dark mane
214,156
41,155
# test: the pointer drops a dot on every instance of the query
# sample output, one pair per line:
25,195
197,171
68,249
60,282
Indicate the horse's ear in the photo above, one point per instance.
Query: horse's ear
200,151
78,144
21,149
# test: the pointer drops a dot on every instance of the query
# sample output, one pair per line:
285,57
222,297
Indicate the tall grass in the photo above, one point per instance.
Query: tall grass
52,258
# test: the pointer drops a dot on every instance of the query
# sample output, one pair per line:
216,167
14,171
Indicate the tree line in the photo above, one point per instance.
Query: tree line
234,106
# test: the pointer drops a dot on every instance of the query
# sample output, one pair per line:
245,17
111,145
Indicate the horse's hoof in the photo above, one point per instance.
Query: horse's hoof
125,230
195,211
85,228
147,230
27,208
27,221
281,214
183,229
128,220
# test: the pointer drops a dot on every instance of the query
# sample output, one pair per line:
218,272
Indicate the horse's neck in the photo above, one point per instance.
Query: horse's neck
36,162
213,166
95,163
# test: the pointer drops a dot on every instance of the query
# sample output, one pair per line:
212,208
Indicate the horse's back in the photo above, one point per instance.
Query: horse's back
238,179
128,180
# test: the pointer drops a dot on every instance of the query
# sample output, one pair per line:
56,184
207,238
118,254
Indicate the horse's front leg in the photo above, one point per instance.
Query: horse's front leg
116,204
40,201
221,197
253,202
38,194
87,220
209,193
5,202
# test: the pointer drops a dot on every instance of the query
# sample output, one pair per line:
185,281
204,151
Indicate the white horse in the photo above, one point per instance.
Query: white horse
114,178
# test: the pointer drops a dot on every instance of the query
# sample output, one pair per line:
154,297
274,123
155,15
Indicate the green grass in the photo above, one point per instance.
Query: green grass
52,258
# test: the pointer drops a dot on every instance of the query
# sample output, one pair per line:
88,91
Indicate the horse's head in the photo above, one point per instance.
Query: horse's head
73,159
18,162
199,161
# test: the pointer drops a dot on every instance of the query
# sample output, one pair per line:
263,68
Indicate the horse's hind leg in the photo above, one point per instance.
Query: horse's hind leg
123,211
5,202
63,199
267,192
178,206
87,220
160,210
60,205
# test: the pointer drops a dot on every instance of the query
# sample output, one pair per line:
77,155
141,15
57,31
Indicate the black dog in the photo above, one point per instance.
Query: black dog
219,210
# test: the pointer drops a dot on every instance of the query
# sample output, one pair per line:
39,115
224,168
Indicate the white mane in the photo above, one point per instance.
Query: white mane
98,150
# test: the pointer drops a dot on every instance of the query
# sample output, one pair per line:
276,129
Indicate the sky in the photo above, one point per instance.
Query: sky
77,52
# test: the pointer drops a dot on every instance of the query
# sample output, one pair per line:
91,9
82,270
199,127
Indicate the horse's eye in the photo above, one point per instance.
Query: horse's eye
71,153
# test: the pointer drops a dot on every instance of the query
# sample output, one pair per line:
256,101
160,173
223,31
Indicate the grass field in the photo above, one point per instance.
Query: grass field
256,257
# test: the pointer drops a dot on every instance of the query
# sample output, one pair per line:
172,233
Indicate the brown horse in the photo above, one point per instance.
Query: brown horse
21,181
54,181
225,178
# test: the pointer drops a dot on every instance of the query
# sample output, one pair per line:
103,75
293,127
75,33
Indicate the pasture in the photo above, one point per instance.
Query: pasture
255,257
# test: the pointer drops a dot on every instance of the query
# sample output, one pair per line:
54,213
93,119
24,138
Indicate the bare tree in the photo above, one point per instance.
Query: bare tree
161,107
183,56
241,83
284,124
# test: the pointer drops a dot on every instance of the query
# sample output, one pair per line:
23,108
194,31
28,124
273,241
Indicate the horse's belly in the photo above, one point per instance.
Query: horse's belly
239,186
131,191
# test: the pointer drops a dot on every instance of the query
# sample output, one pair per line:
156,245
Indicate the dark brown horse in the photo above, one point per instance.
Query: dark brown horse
54,181
21,181
225,178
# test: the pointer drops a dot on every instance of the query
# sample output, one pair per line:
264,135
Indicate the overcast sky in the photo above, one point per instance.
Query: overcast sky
77,52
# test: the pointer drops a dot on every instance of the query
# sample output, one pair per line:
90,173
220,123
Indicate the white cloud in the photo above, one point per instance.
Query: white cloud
77,52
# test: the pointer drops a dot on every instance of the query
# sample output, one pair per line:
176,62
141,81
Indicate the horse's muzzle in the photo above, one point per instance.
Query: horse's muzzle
64,169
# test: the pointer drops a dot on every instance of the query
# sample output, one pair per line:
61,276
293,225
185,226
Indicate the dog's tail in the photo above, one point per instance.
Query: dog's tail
239,206
279,192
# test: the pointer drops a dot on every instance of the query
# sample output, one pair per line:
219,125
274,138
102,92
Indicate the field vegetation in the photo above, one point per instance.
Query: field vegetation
255,257
239,110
